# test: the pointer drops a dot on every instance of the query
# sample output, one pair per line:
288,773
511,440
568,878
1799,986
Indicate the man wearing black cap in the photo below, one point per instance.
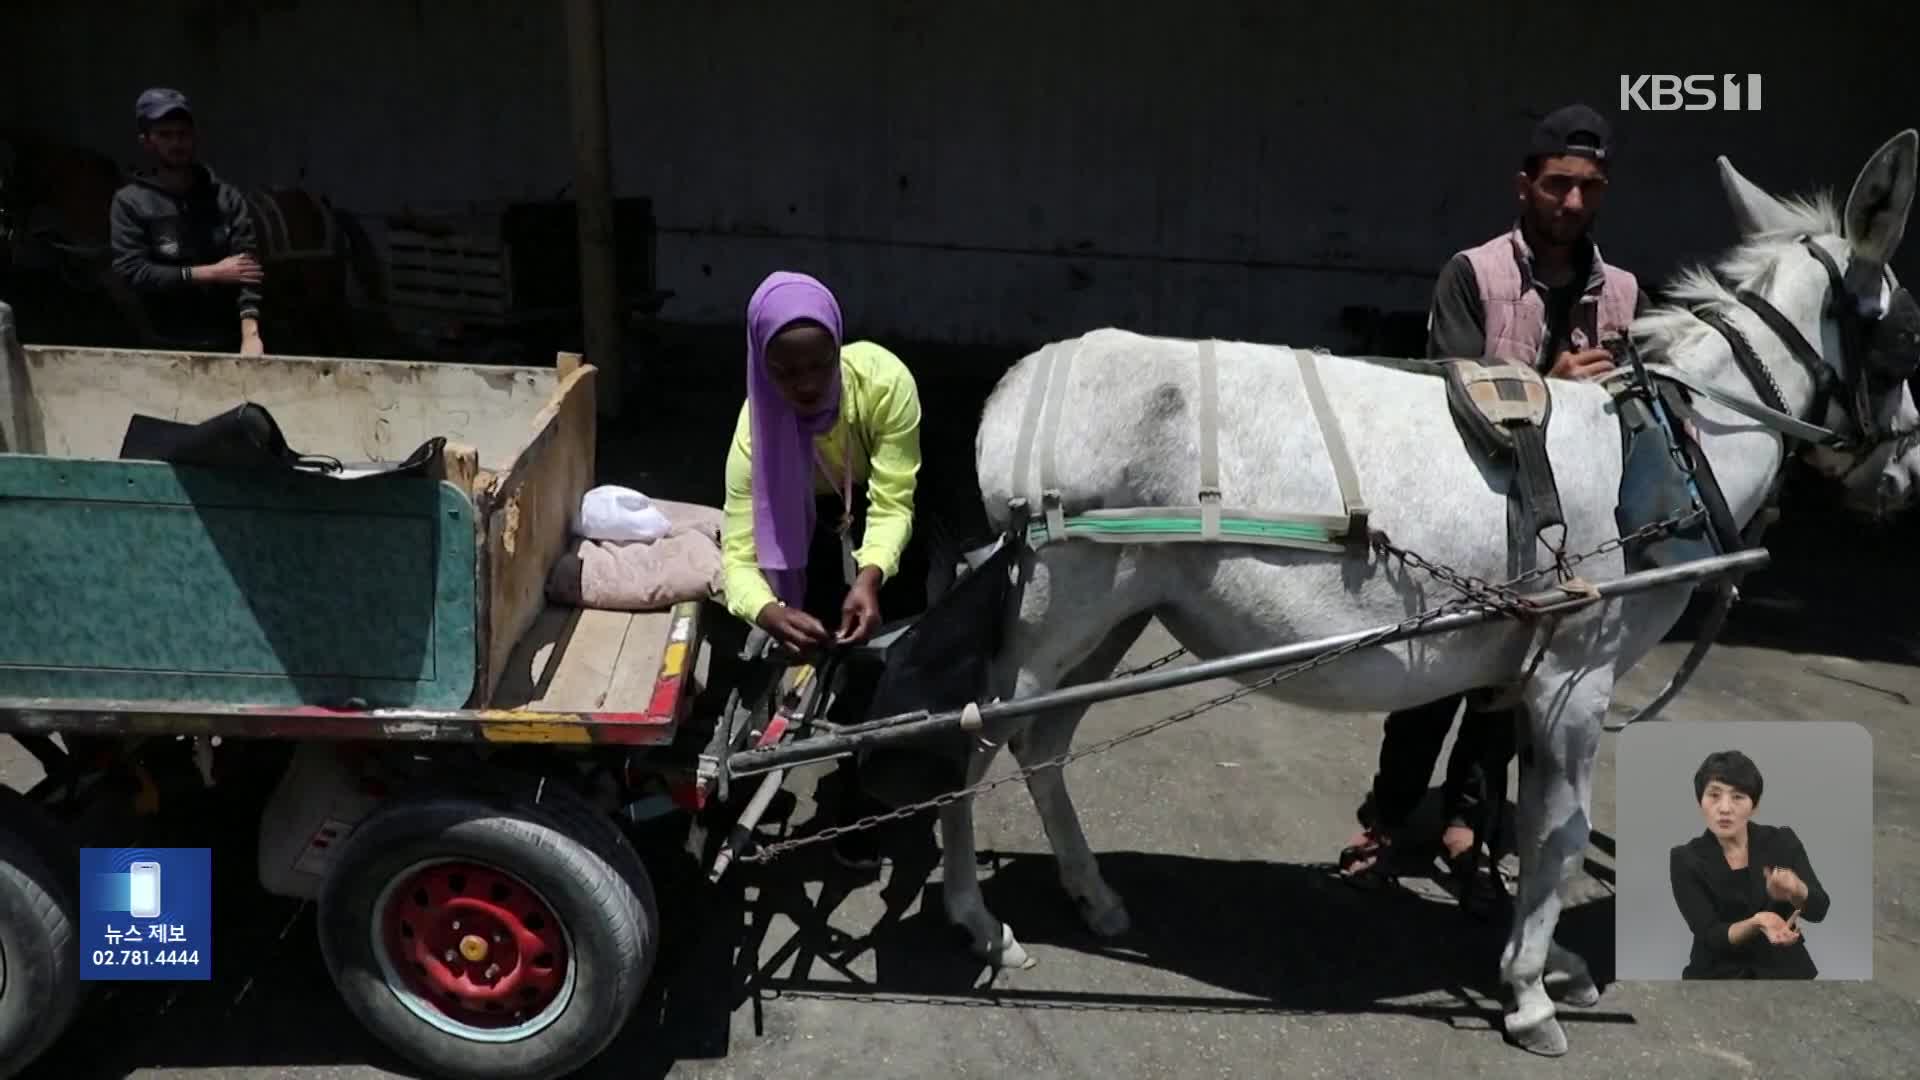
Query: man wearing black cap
1537,294
183,239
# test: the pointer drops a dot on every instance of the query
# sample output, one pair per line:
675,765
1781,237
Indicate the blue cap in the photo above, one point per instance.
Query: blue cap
160,102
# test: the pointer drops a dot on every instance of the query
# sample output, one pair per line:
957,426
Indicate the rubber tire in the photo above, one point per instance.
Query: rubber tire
580,863
39,925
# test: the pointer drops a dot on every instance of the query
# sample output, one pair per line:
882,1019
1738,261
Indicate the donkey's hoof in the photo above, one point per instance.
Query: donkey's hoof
1109,920
1578,991
1008,953
1544,1037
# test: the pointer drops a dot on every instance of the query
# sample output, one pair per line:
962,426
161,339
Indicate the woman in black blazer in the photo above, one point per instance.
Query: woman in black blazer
1743,888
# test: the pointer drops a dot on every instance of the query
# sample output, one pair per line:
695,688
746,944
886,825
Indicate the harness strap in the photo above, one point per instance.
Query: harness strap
1030,419
1209,443
1748,360
1343,471
1823,376
1182,524
1773,418
1049,441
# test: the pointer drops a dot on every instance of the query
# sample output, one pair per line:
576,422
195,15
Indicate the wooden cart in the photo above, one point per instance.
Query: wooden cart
450,745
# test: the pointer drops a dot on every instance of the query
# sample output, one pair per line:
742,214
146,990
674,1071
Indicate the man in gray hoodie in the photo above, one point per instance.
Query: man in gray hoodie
183,239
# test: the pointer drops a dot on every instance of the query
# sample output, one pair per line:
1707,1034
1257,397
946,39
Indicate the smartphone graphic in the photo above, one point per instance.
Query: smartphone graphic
145,891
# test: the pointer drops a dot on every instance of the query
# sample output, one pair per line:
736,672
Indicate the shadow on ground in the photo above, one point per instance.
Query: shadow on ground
1265,937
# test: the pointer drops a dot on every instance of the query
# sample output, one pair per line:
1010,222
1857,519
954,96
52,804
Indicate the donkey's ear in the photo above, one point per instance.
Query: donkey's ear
1876,214
1754,211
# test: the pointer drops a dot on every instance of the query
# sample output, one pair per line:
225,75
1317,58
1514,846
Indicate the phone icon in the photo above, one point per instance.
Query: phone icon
145,891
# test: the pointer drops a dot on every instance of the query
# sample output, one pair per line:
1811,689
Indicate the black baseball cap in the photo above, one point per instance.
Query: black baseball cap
1572,129
158,103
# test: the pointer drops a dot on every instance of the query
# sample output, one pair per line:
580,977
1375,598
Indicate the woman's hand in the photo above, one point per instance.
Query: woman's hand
860,614
791,627
1785,886
1778,931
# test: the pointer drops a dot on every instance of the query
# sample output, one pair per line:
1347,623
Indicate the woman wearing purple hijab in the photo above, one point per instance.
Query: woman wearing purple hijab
821,481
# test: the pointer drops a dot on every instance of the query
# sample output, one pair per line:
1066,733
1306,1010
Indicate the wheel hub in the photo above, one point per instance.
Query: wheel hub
476,945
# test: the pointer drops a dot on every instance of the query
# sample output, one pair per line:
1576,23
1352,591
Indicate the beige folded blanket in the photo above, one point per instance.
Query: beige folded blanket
612,576
691,517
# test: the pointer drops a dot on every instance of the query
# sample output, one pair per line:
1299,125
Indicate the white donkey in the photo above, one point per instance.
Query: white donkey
1126,437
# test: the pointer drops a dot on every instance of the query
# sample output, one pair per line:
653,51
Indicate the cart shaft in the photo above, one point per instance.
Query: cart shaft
910,727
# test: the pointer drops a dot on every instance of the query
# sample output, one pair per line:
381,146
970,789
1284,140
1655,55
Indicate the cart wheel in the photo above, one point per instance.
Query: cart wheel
39,959
490,937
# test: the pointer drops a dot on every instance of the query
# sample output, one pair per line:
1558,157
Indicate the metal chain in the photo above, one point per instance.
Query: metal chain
1160,662
1506,596
1479,593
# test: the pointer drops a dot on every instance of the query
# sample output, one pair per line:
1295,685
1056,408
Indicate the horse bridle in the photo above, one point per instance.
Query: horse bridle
1878,351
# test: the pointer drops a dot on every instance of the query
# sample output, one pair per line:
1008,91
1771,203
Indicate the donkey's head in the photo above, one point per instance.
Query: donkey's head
1829,272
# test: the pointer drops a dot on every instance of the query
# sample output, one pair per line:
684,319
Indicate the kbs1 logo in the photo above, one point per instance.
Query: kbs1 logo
1693,93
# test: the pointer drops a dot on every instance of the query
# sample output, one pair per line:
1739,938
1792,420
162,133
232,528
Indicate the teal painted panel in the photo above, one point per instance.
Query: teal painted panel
142,581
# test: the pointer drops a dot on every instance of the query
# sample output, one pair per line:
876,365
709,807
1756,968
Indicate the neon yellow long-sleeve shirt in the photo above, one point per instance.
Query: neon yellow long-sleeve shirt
880,419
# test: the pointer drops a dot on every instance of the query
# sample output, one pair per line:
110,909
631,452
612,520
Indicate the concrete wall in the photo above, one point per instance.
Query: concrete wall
999,172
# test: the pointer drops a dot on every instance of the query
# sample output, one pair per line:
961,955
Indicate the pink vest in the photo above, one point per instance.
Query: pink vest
1516,311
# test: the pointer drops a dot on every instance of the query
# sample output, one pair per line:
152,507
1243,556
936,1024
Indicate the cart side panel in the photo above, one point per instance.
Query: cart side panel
75,402
529,520
140,581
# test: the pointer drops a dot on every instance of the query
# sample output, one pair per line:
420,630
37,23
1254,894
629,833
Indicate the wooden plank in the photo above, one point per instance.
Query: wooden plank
460,466
355,410
22,428
585,22
637,669
530,515
123,718
565,662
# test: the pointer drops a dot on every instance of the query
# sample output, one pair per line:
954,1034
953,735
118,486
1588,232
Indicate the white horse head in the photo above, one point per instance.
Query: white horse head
1825,269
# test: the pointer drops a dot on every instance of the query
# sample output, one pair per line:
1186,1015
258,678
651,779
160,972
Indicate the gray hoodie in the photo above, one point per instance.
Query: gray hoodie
158,234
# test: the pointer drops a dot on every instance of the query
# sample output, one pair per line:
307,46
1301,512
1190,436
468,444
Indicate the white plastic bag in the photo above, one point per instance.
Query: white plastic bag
616,513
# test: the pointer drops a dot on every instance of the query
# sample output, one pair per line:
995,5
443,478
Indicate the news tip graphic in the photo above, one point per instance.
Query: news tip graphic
146,914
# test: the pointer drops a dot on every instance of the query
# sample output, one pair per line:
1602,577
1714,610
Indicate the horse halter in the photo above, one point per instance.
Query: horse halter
1878,349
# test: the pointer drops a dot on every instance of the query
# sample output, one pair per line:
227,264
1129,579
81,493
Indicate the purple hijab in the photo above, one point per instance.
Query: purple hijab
783,510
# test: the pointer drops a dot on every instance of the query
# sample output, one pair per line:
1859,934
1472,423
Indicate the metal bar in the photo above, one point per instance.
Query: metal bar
912,726
749,820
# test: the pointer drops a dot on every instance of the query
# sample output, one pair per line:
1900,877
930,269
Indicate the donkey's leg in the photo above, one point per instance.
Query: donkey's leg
993,940
1070,609
1048,736
1556,803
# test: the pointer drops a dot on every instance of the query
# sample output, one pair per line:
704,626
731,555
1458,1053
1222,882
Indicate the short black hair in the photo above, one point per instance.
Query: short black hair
1732,768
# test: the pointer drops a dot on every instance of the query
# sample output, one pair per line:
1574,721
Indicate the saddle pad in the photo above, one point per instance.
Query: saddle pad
1491,399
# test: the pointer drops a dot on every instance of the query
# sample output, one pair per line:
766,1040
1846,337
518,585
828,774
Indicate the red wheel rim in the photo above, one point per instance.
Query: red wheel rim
478,945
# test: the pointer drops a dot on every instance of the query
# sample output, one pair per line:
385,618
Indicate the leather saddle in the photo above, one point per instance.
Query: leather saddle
1503,410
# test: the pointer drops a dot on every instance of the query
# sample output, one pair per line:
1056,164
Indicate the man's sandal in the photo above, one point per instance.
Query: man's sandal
1363,863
